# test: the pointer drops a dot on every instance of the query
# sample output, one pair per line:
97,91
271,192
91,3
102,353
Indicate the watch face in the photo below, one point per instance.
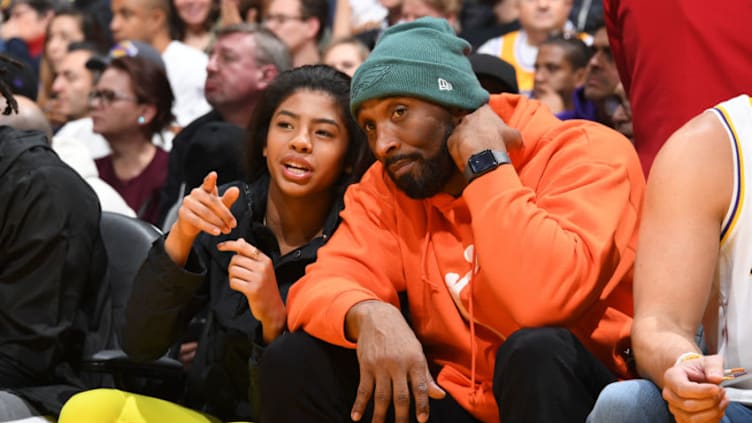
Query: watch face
482,161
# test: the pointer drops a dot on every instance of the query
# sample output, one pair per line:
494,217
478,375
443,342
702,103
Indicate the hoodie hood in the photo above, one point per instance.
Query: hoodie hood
14,142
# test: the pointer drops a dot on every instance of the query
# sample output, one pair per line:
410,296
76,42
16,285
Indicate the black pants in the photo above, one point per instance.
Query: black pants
541,375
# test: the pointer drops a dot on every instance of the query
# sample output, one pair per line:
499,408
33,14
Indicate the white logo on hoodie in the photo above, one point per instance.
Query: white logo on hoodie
455,283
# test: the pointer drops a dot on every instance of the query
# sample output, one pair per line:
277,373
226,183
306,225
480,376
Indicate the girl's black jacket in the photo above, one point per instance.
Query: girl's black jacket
166,297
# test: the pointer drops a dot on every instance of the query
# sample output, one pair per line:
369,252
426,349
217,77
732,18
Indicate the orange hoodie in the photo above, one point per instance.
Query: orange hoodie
552,239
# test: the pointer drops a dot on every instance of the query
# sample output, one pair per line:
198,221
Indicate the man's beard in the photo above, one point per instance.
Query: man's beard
429,175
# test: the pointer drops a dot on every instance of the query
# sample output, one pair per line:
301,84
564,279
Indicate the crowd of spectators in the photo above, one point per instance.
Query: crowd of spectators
253,133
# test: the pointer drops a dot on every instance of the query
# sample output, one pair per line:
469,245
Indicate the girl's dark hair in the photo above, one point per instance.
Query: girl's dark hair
320,78
150,84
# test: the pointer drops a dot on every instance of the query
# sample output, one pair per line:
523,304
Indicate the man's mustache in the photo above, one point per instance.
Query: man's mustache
398,157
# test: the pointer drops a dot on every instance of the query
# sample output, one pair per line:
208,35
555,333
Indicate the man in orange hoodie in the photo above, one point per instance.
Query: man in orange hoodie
483,266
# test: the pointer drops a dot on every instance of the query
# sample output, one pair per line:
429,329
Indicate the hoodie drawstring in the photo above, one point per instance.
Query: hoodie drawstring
427,239
473,344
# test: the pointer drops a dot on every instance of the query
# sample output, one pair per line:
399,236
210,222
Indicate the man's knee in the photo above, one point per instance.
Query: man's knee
305,379
534,344
298,358
283,356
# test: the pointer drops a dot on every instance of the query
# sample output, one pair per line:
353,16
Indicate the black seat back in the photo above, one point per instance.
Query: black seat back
127,241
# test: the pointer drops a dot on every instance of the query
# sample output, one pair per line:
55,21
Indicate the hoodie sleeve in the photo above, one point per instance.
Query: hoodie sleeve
357,264
163,300
547,255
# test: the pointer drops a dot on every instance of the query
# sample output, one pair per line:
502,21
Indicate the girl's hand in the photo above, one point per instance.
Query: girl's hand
204,210
251,272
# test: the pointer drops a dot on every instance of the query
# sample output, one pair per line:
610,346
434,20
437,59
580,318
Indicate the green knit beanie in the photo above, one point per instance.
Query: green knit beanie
422,59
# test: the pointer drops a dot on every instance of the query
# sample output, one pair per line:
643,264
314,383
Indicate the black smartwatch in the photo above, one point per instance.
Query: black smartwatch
483,162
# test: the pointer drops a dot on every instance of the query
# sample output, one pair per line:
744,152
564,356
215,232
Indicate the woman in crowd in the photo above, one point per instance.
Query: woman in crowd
23,31
131,104
193,20
236,250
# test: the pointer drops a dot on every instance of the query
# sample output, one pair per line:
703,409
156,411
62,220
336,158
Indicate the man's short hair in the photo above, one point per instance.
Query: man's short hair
270,50
576,52
318,9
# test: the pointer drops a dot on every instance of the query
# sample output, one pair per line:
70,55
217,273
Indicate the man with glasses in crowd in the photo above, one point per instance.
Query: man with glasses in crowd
300,24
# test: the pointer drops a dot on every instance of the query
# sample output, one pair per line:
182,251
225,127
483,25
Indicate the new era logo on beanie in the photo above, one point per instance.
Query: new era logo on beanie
422,59
445,85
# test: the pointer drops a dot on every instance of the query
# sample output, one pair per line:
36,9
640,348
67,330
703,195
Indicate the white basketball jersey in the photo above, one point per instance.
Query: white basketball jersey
734,271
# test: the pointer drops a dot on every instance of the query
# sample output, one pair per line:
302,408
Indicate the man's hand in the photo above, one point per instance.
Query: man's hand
481,130
546,95
392,363
692,392
53,114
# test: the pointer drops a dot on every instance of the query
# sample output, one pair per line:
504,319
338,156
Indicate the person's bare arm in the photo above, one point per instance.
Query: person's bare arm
688,193
392,363
342,16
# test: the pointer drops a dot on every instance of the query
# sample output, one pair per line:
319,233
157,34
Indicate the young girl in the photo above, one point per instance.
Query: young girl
234,252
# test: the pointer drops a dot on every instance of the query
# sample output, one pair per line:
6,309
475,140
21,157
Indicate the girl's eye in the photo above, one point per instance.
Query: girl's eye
284,125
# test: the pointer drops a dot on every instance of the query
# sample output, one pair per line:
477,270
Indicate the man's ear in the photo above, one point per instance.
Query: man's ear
579,76
312,27
268,73
157,18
